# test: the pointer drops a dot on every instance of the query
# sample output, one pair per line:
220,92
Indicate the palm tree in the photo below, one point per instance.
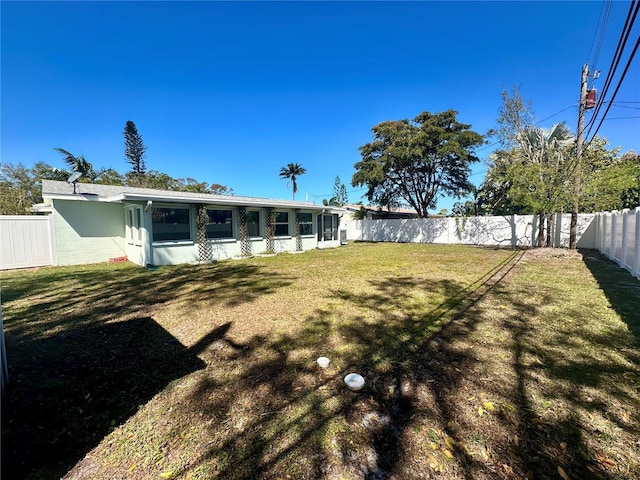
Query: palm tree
77,164
546,152
291,173
332,202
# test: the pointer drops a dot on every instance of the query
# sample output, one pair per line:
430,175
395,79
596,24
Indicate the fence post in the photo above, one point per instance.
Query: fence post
623,240
636,251
601,232
614,226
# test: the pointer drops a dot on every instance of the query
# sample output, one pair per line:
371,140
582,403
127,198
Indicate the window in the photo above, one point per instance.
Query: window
306,223
328,227
137,237
220,224
170,224
133,216
282,224
129,225
253,223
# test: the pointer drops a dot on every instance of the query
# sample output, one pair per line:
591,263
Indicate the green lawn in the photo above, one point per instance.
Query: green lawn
479,363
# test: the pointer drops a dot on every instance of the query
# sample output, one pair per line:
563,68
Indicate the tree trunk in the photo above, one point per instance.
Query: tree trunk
540,242
549,228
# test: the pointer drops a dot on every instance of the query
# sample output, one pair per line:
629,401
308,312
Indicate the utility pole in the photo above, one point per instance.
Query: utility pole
578,169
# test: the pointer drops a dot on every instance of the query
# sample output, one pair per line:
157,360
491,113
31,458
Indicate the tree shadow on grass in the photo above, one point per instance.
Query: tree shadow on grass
621,289
468,386
78,385
432,400
68,298
83,357
568,403
275,414
574,406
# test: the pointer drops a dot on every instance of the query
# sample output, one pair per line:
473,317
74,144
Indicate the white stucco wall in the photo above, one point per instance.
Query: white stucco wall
175,253
187,252
92,232
88,232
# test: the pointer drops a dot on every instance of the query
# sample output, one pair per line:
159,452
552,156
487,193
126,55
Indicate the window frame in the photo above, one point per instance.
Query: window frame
189,223
134,220
230,223
258,223
276,223
309,224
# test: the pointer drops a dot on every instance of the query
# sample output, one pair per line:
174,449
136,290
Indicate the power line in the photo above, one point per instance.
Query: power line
625,106
622,41
603,19
621,118
557,113
624,34
626,68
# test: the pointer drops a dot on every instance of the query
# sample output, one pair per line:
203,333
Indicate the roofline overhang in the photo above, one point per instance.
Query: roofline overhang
82,197
227,200
42,208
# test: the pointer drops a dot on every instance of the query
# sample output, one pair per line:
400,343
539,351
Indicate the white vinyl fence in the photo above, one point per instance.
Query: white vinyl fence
26,241
509,230
618,237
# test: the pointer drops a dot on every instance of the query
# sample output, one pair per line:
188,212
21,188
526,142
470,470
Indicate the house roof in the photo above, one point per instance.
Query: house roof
55,190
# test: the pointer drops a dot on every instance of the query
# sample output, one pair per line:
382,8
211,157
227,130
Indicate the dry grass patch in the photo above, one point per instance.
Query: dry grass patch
479,363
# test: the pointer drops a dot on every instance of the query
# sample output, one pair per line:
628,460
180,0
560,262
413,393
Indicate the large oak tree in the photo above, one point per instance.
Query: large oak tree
417,161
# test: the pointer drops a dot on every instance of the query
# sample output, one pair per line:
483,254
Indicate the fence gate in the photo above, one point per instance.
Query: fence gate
26,241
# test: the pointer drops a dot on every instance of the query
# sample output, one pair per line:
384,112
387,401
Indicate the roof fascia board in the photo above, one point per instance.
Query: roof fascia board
227,200
230,200
83,197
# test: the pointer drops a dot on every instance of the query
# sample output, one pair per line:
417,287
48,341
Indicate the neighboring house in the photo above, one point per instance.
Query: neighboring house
97,223
376,213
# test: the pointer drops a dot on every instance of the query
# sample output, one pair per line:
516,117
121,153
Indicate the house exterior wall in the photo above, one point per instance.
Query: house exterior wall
175,254
88,232
187,251
91,229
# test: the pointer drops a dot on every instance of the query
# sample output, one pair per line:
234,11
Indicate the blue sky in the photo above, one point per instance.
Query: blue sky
230,92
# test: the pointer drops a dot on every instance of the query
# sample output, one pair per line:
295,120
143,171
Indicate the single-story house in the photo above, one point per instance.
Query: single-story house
96,223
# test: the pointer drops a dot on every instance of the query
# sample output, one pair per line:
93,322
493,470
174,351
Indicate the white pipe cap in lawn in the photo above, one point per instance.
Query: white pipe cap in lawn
323,362
354,381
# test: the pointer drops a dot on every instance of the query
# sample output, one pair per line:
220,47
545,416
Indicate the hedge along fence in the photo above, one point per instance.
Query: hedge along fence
618,237
508,230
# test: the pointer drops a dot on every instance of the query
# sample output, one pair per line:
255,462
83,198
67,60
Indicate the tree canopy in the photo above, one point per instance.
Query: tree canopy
21,187
291,172
535,170
539,171
416,162
609,181
340,192
78,164
134,150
